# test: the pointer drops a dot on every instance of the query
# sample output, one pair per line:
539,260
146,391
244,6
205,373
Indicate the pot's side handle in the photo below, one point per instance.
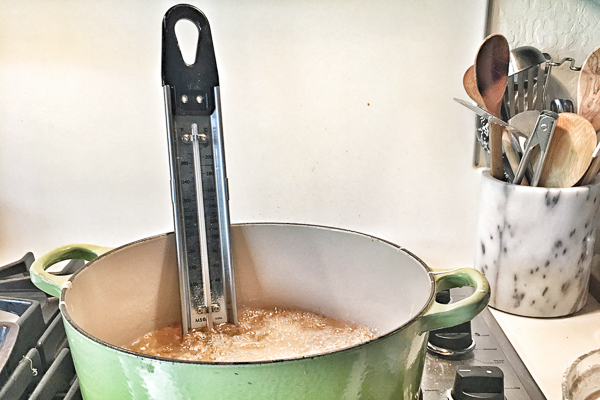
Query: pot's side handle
440,316
52,284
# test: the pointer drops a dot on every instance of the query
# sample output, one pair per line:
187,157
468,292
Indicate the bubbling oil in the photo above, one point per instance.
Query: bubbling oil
261,335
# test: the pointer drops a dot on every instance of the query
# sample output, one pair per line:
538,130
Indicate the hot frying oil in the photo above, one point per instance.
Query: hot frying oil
261,335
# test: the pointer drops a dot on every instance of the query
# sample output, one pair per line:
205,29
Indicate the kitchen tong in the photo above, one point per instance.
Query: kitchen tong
540,137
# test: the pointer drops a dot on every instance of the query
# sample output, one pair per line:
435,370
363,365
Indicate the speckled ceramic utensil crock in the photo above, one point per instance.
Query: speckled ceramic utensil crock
535,246
133,289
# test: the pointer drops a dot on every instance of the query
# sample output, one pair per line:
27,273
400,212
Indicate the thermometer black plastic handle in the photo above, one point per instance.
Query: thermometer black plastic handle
198,79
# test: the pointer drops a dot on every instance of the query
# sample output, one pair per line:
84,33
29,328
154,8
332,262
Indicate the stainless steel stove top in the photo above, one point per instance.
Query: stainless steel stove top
492,349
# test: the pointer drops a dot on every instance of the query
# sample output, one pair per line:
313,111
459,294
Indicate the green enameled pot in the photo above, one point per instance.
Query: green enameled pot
131,290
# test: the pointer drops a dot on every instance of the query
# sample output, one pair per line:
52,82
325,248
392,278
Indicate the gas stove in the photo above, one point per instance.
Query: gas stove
474,360
35,361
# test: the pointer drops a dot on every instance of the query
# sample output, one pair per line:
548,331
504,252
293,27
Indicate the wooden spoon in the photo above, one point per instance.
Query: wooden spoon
470,84
570,151
491,75
588,89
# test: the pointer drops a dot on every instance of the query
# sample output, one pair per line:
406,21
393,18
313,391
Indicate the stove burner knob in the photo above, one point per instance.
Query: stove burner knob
478,382
455,341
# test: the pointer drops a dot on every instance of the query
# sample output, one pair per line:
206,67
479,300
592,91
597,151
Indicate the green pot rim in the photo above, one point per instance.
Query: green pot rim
414,319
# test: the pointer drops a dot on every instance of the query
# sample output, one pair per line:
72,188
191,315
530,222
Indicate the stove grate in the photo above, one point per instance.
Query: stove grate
35,360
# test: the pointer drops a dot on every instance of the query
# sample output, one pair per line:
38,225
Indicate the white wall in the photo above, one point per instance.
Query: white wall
335,112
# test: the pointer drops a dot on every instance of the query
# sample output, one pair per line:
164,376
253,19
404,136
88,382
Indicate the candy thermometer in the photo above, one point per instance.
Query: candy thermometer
198,178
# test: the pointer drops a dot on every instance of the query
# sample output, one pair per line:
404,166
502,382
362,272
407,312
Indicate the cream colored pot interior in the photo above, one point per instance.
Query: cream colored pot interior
135,289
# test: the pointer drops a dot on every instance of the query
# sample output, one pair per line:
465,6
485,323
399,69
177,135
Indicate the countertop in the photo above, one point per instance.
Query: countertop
548,346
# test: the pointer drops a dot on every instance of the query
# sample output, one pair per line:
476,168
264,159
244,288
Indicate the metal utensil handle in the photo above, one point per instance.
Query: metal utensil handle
491,119
562,105
198,176
571,61
520,173
550,64
544,129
